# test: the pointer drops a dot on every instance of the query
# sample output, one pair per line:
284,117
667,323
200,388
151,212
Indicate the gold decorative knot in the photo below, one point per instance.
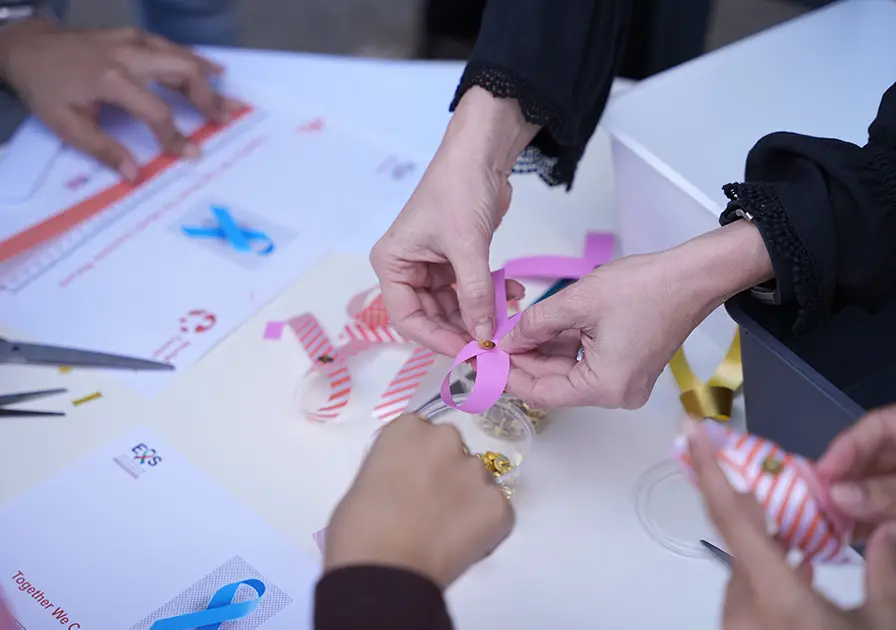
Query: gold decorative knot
325,359
772,466
486,344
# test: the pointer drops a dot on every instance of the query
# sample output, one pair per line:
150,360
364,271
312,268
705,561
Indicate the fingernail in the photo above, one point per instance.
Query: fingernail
690,428
129,171
484,329
848,495
191,151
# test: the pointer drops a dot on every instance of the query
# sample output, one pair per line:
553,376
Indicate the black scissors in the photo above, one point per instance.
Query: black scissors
37,354
722,556
12,399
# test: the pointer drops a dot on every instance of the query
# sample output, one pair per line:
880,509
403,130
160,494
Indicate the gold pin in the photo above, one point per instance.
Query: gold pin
325,359
486,344
772,466
88,398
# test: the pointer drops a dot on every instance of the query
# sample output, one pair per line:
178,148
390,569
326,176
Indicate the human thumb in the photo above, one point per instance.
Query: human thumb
869,500
538,324
880,576
475,289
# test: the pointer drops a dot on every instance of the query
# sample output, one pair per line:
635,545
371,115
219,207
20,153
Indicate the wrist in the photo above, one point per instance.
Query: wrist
722,263
489,130
14,36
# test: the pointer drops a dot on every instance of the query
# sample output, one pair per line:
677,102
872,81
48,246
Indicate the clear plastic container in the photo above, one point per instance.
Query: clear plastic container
539,418
502,436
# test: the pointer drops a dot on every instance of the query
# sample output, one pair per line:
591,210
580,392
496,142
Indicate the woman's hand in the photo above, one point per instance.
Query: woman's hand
861,465
6,621
420,502
443,234
64,75
629,316
764,592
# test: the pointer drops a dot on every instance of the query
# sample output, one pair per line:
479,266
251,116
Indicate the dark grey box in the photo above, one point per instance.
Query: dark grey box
803,392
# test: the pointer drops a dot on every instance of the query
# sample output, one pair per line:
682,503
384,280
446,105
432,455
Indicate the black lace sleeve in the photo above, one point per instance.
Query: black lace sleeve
827,212
558,60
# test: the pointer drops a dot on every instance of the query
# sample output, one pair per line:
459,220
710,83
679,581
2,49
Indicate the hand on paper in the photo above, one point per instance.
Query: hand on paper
629,316
764,591
65,75
861,465
443,234
6,622
421,503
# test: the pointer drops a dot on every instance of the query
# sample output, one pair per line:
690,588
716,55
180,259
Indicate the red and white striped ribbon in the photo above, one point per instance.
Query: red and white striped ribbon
369,327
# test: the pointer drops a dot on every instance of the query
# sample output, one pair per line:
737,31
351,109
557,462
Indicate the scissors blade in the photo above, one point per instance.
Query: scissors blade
27,413
37,354
722,556
11,399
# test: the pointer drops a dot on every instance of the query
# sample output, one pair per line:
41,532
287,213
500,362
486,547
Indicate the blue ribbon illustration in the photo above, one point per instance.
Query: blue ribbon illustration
220,609
239,239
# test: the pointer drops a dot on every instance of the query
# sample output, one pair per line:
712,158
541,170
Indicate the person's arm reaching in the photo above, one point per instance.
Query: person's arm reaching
386,571
827,213
556,62
539,78
824,228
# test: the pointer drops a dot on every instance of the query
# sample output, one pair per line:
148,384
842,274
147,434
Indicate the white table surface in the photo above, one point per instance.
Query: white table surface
578,557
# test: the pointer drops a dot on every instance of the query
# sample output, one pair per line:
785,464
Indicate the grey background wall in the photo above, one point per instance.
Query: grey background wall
389,28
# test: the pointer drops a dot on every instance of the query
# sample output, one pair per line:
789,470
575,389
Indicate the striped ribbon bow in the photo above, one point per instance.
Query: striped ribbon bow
369,327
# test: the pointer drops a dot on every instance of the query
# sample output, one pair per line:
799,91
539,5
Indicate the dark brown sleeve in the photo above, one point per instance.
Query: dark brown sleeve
378,598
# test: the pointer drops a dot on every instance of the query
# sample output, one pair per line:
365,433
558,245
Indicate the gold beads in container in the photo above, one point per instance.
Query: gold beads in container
538,417
500,423
498,465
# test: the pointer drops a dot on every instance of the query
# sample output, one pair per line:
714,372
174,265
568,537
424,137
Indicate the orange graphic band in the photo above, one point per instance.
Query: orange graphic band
71,217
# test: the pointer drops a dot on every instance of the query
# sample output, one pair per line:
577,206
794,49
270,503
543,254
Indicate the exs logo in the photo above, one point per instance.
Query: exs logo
145,456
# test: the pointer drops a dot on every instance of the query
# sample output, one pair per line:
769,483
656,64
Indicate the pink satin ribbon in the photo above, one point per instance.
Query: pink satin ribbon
492,364
598,250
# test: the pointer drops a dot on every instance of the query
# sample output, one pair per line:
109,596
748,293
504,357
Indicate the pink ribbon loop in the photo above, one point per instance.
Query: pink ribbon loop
598,250
492,364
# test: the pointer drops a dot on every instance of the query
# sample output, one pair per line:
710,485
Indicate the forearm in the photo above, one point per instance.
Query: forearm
488,130
718,265
557,61
14,35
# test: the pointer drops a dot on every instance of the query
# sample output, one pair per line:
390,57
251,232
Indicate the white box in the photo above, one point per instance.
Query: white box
680,135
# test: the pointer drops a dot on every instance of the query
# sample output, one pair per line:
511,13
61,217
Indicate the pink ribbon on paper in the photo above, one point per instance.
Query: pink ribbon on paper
492,364
598,250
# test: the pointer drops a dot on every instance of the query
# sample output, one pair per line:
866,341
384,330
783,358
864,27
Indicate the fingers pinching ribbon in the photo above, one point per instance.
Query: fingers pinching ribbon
796,502
492,363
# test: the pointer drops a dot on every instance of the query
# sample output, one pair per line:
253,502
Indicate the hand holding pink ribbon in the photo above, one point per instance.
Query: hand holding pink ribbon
493,363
